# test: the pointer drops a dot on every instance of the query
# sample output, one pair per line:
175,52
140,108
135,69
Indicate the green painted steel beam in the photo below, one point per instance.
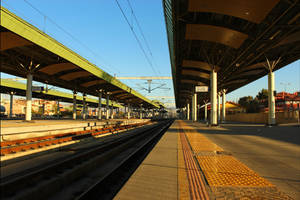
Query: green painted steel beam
24,29
54,93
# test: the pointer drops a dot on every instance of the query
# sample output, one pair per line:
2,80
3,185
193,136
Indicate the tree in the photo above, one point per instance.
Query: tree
251,105
245,101
262,95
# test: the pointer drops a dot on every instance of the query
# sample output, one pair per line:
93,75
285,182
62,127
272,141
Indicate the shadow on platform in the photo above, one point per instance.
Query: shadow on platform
288,133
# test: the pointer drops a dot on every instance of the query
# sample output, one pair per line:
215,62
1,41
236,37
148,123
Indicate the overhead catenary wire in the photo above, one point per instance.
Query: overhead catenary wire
71,36
140,29
107,67
142,33
47,21
136,38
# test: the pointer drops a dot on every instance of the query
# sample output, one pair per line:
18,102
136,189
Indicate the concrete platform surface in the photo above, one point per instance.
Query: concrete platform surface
272,152
233,161
18,129
22,123
156,177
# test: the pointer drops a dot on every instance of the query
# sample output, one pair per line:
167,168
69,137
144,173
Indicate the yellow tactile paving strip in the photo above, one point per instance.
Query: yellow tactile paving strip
234,179
198,142
183,183
191,185
223,163
221,170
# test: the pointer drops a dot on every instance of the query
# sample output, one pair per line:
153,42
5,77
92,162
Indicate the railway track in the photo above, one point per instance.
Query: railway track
99,171
10,147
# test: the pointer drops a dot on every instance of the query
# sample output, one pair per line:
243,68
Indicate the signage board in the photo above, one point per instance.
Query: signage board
201,89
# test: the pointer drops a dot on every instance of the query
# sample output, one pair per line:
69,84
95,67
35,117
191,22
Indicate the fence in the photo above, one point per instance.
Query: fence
281,117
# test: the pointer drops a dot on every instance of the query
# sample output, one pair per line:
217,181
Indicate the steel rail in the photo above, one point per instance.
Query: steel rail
119,174
15,146
24,183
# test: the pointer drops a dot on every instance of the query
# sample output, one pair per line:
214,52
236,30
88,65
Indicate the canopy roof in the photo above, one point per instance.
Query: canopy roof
234,37
23,46
18,88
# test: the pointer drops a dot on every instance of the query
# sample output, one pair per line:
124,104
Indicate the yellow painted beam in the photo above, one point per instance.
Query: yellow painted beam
58,94
22,28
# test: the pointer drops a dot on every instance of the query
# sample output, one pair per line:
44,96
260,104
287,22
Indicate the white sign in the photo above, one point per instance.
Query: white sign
201,89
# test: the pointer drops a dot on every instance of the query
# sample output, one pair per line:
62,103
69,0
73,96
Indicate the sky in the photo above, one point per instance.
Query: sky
97,30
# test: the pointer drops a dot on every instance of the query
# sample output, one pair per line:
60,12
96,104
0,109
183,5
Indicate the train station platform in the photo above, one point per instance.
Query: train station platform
19,129
189,164
22,140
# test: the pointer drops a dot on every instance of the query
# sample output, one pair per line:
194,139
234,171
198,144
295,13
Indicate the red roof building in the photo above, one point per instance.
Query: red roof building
287,101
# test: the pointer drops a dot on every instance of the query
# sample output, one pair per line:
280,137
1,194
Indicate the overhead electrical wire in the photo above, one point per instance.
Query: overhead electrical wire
143,35
136,38
95,54
70,35
67,33
140,29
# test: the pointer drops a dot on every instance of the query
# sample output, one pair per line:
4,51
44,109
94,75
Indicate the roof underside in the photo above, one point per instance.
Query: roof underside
23,45
17,88
234,37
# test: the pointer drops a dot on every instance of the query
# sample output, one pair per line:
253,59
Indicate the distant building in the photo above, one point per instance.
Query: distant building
19,106
232,107
287,101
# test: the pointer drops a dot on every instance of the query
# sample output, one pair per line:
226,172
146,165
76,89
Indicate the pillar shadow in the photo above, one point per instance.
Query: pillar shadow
289,133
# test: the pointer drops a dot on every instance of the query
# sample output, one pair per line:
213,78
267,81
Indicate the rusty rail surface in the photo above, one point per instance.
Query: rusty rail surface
41,181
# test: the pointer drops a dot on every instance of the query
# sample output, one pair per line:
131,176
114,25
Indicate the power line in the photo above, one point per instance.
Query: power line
137,39
142,33
140,29
70,35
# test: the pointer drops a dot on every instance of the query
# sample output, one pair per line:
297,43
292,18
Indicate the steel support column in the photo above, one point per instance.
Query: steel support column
194,104
128,111
271,99
11,102
213,98
188,111
271,88
28,97
219,106
74,105
107,106
84,107
205,111
224,105
99,105
112,113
